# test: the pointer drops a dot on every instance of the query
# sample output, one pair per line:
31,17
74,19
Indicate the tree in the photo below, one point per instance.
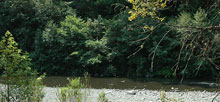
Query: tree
27,18
94,8
147,8
195,28
20,82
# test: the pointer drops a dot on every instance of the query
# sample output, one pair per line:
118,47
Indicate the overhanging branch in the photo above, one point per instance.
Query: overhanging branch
198,28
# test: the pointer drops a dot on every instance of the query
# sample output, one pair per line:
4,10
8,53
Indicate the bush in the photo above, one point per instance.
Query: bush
20,83
102,97
164,98
74,92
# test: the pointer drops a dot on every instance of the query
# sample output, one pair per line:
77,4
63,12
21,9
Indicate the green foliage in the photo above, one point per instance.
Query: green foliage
199,19
71,37
110,71
166,72
57,44
94,8
164,98
75,91
194,31
27,18
20,82
196,39
72,92
77,41
102,97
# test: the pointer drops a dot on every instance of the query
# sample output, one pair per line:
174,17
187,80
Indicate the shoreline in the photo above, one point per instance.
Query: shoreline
118,95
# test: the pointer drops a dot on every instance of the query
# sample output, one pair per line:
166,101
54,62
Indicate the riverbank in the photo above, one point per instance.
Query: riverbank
116,95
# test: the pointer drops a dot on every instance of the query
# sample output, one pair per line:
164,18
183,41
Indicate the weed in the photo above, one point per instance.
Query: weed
102,97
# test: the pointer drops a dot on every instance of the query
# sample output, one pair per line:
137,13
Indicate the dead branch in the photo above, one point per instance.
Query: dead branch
154,52
198,28
186,65
215,97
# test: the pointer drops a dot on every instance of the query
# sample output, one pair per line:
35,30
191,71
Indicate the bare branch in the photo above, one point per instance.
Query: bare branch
198,28
215,97
212,62
142,45
154,52
186,66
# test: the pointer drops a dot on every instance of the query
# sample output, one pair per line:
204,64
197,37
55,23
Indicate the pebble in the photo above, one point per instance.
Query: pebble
116,95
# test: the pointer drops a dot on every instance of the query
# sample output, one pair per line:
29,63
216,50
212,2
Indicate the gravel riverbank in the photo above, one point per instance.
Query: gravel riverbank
116,95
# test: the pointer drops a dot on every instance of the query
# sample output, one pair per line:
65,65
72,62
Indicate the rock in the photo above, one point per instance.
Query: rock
116,95
132,92
174,89
123,81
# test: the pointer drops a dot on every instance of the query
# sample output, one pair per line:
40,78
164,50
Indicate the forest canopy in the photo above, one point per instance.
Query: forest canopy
135,38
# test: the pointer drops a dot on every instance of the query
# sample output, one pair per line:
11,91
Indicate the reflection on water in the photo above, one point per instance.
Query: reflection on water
125,83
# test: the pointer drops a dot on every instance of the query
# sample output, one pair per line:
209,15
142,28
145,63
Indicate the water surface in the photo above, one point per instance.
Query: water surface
125,83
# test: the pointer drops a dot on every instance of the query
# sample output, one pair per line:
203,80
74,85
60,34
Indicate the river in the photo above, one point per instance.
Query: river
150,84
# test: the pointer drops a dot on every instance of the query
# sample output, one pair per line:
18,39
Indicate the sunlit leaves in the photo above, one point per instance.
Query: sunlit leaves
17,74
10,53
146,8
152,28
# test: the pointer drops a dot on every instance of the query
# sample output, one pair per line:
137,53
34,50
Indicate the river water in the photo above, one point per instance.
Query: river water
150,84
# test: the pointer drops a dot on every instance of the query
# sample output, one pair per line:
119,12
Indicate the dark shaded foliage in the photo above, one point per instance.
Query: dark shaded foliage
70,37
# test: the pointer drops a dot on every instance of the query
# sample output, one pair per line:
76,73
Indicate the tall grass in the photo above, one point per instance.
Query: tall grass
75,91
102,97
165,98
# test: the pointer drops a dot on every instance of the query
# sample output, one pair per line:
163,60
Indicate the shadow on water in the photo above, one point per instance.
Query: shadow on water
150,84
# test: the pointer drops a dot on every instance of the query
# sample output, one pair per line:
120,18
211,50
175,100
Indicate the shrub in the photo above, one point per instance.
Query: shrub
164,98
20,83
74,92
102,97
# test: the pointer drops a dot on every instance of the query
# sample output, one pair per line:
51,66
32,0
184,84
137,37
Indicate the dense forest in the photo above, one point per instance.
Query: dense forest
113,38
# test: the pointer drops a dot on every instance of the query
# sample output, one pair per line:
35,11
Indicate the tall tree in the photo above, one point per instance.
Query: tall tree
196,28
